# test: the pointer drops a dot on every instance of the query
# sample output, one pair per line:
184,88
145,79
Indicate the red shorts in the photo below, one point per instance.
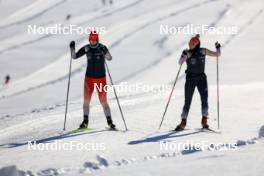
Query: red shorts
99,84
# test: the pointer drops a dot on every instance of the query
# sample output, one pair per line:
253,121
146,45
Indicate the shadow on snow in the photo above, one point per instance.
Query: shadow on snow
50,139
172,134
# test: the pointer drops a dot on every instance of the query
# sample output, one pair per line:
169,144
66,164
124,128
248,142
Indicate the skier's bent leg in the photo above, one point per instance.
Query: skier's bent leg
106,107
103,100
107,112
102,95
189,90
88,91
86,108
203,90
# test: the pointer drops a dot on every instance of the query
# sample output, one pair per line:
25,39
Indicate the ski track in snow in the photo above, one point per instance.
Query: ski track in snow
34,16
9,48
100,163
116,43
78,70
48,108
104,14
243,28
134,100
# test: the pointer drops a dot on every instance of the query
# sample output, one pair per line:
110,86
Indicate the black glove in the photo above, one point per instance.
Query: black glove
217,45
72,45
185,52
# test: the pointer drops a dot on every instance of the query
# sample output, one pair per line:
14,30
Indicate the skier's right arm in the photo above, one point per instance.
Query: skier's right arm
80,52
183,57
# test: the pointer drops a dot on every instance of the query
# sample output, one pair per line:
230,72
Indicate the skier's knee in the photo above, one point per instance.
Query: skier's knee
86,103
103,101
105,105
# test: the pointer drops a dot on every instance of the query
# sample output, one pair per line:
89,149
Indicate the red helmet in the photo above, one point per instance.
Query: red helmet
94,36
195,40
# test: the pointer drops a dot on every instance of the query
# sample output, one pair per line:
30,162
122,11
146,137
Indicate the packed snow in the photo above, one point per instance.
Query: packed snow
32,105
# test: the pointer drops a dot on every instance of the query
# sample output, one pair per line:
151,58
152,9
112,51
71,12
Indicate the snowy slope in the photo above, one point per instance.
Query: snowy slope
32,106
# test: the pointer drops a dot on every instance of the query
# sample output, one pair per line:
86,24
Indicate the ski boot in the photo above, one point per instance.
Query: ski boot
204,122
84,124
181,126
110,123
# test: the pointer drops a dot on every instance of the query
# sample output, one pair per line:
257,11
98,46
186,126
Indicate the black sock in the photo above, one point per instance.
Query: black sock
109,120
85,118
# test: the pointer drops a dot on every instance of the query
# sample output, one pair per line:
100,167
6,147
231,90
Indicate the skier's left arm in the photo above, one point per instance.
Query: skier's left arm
216,53
107,54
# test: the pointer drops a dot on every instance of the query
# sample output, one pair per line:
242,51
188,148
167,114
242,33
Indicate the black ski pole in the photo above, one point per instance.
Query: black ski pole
167,105
218,96
119,106
67,97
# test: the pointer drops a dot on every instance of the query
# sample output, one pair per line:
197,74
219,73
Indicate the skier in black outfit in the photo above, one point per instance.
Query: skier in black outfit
95,77
195,77
7,79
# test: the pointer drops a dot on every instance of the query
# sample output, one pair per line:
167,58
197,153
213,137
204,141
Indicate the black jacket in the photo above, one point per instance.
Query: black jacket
96,56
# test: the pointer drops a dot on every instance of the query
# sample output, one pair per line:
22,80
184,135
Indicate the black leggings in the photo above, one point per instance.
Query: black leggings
192,81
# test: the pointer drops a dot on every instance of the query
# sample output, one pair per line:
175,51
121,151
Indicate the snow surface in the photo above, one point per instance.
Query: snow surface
32,106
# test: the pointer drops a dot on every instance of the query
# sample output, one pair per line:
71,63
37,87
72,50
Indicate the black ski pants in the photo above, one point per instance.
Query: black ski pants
192,81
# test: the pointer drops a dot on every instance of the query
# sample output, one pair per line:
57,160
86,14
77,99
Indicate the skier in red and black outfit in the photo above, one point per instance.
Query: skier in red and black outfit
96,54
196,77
